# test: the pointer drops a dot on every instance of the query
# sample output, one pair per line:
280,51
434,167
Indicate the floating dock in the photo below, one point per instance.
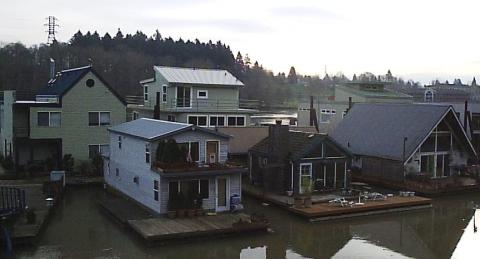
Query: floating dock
154,228
321,209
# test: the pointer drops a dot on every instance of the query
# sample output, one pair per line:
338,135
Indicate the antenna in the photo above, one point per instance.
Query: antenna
51,28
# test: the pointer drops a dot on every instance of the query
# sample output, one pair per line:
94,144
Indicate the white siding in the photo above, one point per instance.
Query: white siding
130,161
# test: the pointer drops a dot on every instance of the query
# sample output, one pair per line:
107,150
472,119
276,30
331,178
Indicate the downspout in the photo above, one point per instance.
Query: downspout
291,174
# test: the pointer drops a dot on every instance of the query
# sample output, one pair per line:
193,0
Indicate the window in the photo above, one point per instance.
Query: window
119,142
155,190
193,149
145,93
164,93
49,119
429,96
136,179
95,149
90,82
183,96
263,161
135,115
98,118
200,187
171,117
216,120
326,115
199,120
202,94
236,121
147,153
117,172
305,177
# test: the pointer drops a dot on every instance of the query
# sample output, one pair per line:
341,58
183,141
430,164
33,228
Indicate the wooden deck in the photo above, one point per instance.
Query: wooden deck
152,227
330,211
159,229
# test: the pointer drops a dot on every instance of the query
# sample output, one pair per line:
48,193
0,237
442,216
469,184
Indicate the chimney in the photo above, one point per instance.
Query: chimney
52,68
279,139
156,109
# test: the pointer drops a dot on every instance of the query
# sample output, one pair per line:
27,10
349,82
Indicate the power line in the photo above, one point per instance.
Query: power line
51,28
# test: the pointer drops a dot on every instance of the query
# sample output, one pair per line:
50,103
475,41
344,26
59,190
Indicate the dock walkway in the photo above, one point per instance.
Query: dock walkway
152,227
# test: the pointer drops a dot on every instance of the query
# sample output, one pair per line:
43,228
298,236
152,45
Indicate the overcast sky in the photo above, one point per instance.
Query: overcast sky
422,40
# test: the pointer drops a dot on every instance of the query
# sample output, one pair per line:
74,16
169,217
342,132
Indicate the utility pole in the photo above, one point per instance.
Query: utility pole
51,28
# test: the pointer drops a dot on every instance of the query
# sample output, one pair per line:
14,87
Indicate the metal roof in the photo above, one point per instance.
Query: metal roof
198,76
151,129
379,129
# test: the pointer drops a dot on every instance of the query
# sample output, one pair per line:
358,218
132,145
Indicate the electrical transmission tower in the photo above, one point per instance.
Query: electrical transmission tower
51,28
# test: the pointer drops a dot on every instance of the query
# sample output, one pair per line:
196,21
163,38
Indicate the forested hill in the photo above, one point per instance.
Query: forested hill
124,60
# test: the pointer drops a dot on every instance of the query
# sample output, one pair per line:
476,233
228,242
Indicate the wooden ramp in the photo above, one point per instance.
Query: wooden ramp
156,229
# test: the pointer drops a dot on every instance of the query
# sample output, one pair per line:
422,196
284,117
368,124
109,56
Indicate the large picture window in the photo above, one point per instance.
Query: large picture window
49,119
199,120
236,121
193,149
217,120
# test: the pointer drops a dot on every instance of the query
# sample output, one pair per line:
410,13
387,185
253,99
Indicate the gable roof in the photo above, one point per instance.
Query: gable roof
299,144
66,79
379,129
198,76
150,129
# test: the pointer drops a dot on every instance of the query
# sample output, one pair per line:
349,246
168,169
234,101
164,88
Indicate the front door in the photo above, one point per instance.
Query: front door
222,194
212,152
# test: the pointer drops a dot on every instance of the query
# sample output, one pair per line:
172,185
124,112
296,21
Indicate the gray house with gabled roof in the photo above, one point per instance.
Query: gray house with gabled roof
391,141
203,97
137,165
290,161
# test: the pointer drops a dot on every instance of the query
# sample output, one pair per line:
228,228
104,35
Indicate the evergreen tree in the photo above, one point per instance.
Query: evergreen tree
292,76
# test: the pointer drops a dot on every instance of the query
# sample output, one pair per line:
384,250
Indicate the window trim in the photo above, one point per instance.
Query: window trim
176,97
156,190
147,153
202,91
199,115
217,116
49,121
310,165
99,119
145,93
99,148
164,93
236,124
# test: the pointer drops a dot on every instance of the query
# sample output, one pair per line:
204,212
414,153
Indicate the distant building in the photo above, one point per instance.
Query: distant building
137,165
393,141
330,112
203,97
290,160
69,116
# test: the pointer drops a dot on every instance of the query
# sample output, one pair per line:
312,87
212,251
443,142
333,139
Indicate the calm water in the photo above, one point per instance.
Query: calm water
79,230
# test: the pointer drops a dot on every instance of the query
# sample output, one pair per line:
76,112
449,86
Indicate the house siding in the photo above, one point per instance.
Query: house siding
130,160
74,131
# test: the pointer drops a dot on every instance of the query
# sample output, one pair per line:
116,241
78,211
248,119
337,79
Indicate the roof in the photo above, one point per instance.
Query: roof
379,129
299,143
66,79
198,76
150,129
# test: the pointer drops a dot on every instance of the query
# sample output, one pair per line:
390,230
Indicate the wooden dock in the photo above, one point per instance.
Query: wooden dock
160,229
326,211
154,228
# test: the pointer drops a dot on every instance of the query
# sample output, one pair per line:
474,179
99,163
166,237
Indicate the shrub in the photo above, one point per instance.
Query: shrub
67,162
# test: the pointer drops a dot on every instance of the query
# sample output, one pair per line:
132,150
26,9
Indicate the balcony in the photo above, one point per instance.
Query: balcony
182,168
199,105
